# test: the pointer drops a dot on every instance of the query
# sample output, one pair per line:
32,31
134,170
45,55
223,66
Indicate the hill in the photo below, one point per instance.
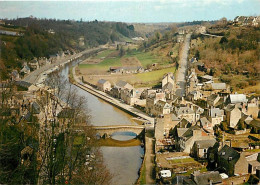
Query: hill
45,37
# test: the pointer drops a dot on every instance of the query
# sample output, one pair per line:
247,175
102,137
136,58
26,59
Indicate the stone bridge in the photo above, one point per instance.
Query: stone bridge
107,131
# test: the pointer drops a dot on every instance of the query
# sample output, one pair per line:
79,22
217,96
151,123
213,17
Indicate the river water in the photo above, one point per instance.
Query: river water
123,162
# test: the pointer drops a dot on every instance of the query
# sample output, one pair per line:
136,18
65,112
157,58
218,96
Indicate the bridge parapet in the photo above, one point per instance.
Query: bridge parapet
111,129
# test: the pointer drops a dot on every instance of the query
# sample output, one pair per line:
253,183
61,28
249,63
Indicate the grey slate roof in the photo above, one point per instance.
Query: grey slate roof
204,121
102,81
207,178
189,132
168,86
218,86
121,83
214,112
205,143
227,152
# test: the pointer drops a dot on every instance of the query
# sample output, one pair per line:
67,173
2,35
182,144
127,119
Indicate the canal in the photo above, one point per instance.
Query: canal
123,162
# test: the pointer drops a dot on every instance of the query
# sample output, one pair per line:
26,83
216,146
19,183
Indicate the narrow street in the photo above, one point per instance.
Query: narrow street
182,70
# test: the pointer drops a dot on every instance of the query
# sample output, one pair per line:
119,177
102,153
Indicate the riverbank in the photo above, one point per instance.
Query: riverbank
115,102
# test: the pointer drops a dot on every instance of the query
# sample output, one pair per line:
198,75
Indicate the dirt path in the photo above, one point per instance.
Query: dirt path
149,158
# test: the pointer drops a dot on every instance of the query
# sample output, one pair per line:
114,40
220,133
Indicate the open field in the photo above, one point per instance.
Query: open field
97,67
147,79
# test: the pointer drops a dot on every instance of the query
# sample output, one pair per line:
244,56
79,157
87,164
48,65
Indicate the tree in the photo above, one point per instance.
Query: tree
158,36
121,51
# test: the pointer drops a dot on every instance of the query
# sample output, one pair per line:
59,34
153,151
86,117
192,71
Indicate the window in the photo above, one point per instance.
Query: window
205,150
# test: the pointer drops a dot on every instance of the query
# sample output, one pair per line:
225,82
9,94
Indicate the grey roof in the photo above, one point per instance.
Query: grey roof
162,104
237,98
212,97
189,132
168,86
184,123
214,112
36,108
185,110
227,152
204,121
121,83
102,81
23,84
230,107
207,178
208,77
218,86
205,143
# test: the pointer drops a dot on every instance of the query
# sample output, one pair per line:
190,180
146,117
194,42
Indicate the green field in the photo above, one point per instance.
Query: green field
187,160
154,75
104,53
105,64
145,59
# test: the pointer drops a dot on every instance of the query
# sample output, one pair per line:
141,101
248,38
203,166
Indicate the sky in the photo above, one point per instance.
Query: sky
145,11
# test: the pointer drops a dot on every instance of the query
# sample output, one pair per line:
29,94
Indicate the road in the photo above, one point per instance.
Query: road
33,76
183,65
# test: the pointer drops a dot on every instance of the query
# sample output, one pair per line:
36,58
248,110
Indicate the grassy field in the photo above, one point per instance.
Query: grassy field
104,53
145,58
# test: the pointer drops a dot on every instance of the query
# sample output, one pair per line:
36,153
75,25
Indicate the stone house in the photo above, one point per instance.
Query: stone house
233,114
128,69
146,93
216,116
128,96
123,85
104,85
115,92
34,64
152,99
25,70
255,126
206,178
194,133
160,108
216,87
232,162
200,148
15,75
236,98
253,162
206,124
212,100
252,107
168,79
187,113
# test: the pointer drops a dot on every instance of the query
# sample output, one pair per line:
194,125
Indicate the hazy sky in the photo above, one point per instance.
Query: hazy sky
131,11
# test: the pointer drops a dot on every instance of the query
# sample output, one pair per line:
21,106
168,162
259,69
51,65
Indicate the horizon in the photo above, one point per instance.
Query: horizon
145,11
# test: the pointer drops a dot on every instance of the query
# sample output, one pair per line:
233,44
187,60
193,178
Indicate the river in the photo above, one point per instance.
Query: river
123,162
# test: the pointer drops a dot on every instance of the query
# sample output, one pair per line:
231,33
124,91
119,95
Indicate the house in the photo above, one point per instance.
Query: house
213,99
25,70
127,69
232,162
255,126
200,148
216,116
233,114
160,108
34,64
206,124
206,78
152,99
146,93
253,162
128,96
194,133
15,75
216,87
115,92
168,78
187,113
104,85
236,98
252,107
205,178
123,85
